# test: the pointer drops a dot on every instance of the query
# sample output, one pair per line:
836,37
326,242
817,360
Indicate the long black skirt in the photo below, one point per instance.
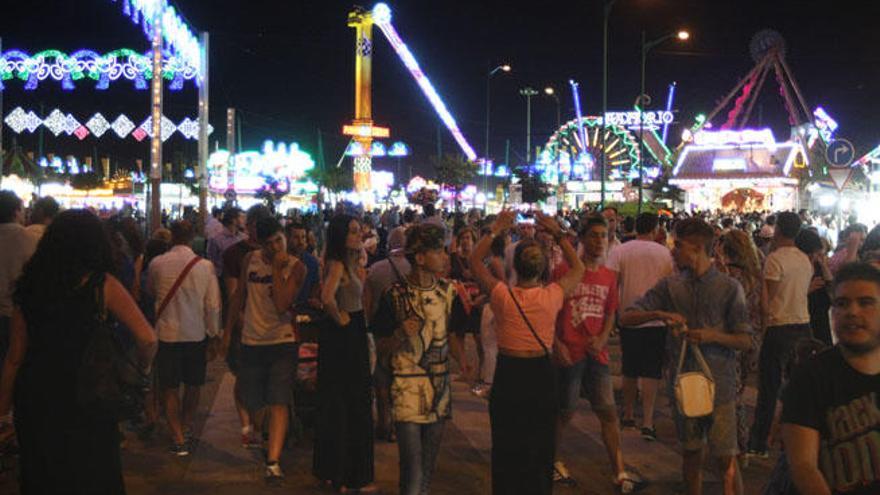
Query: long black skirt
343,451
522,409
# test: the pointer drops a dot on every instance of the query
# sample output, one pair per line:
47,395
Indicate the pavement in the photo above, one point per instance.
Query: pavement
219,465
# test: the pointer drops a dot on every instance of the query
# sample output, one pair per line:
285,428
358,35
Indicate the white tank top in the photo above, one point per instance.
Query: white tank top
263,325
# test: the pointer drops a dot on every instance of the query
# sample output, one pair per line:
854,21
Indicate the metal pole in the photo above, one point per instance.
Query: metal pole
230,147
156,114
602,158
528,92
642,126
486,149
204,98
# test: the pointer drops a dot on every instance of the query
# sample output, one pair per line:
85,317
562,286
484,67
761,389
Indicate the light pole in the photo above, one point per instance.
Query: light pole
549,91
503,68
646,46
606,13
528,92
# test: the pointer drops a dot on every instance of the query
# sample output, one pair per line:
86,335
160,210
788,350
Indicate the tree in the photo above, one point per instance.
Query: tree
333,179
454,172
661,189
533,188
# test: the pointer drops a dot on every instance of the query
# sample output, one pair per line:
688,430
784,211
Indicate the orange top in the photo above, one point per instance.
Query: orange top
540,304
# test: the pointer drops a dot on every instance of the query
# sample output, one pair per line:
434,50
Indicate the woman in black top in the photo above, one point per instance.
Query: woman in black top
65,449
818,297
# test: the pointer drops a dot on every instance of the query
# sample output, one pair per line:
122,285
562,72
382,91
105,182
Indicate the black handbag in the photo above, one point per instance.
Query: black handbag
110,383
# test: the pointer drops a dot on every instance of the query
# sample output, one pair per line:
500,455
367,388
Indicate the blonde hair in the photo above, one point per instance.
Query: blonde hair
739,248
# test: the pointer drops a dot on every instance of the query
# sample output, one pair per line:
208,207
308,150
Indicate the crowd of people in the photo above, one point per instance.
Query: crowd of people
389,296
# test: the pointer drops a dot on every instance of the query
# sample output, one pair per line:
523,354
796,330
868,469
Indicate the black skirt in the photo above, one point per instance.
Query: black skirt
343,451
522,409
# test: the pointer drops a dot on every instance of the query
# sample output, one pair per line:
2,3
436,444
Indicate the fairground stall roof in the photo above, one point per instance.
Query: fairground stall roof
737,155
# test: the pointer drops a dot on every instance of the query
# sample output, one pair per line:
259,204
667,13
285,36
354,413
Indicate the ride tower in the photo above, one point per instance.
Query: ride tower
361,128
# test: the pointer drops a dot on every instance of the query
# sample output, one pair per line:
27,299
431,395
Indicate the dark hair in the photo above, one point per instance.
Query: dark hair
629,224
726,222
44,208
182,232
498,245
788,224
230,215
423,237
526,262
256,212
646,223
591,222
872,241
857,271
429,209
696,227
295,226
466,231
267,227
153,248
216,211
9,204
613,208
337,231
75,244
808,241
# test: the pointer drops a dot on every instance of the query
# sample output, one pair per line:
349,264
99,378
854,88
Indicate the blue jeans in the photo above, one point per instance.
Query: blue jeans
418,445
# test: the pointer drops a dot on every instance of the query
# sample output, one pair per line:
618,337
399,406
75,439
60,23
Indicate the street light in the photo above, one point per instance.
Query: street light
528,92
502,68
549,91
681,35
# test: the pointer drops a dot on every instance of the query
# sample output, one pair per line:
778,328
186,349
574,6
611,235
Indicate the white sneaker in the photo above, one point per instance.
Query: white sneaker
561,474
273,472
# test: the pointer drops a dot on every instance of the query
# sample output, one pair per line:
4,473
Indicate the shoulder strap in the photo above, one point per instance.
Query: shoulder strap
704,366
396,271
189,266
521,312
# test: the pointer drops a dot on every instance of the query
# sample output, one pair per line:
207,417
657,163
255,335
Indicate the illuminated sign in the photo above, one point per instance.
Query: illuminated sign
285,163
364,130
825,124
728,164
634,119
744,137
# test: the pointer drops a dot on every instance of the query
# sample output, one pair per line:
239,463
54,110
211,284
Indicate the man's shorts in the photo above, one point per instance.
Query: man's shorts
266,374
181,362
643,351
587,378
718,429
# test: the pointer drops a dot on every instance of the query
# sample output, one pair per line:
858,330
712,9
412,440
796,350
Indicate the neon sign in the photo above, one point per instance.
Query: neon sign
634,119
285,163
762,137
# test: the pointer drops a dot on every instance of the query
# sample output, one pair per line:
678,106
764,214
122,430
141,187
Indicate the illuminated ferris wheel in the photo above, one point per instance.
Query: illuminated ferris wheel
578,159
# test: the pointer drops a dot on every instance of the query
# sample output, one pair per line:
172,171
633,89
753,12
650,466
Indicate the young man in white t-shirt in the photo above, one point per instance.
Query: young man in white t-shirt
640,264
270,281
787,276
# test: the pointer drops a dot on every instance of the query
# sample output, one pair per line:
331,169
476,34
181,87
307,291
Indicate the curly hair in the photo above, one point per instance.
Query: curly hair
423,237
75,245
739,248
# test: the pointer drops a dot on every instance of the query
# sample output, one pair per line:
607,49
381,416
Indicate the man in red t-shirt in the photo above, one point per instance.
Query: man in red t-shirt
583,328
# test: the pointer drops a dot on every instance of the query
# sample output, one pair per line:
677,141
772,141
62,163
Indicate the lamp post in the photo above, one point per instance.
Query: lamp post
528,92
503,68
646,47
606,13
549,91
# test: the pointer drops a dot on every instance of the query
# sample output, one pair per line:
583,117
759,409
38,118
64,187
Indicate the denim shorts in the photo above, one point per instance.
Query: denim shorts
717,429
587,378
266,375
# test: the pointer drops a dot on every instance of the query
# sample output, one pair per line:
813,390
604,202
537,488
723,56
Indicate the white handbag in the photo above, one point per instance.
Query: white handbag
694,390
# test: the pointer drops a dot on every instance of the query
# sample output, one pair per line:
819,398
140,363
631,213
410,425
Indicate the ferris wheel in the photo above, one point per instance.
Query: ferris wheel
578,160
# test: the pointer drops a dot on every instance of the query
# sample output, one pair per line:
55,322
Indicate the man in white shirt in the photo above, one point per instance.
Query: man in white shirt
612,217
640,264
787,276
43,211
185,321
16,247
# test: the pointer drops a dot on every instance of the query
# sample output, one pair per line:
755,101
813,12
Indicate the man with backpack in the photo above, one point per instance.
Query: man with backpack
188,308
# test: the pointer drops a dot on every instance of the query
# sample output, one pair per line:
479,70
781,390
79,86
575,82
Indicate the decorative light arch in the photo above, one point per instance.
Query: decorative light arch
122,63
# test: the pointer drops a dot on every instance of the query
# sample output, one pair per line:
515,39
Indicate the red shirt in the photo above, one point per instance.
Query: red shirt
584,312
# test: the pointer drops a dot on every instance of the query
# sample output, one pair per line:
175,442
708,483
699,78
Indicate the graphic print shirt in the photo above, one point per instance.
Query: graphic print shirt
843,405
584,311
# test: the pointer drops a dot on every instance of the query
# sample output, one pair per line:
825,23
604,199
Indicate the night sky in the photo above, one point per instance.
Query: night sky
288,66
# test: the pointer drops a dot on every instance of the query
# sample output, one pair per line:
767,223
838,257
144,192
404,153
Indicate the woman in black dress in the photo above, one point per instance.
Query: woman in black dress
64,449
343,455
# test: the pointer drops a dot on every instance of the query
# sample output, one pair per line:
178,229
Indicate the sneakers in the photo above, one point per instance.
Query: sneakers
628,482
649,434
561,474
627,424
180,449
482,389
760,454
273,473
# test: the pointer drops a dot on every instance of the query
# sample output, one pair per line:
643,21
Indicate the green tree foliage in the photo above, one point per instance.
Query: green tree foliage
533,188
454,171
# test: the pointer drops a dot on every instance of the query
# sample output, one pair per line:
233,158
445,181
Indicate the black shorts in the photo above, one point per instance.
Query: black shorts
266,374
643,351
461,322
181,362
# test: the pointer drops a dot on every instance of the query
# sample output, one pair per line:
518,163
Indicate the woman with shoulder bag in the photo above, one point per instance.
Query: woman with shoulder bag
523,405
59,302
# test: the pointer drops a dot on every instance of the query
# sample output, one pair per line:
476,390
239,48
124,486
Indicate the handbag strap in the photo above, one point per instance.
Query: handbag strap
189,266
698,354
521,312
